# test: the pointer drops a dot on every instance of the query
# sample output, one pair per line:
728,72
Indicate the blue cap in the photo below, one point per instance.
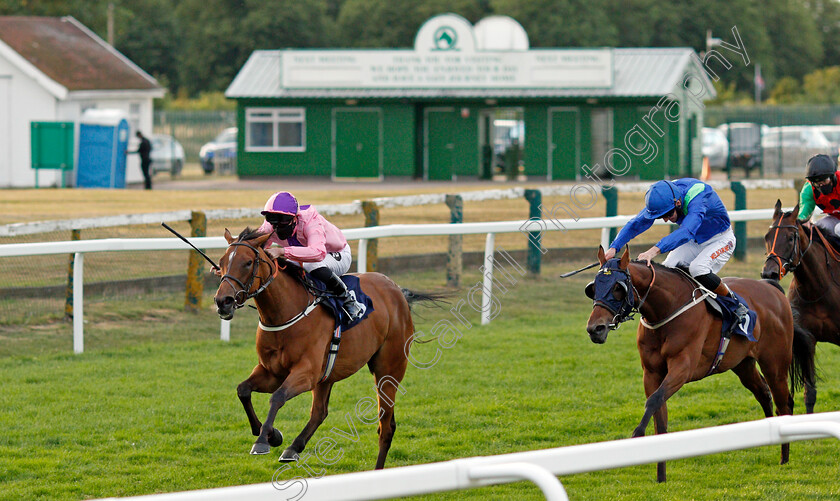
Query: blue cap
660,199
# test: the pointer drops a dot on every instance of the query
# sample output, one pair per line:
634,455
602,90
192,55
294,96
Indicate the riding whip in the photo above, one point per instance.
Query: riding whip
564,275
191,245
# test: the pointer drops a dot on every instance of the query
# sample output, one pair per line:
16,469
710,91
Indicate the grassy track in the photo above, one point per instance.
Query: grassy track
151,406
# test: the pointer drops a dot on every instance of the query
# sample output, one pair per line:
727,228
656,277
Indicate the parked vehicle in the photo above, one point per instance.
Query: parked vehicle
167,154
744,144
788,148
832,133
220,152
715,147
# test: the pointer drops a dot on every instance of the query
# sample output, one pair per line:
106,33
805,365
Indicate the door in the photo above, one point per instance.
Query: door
357,143
5,130
563,143
439,143
602,139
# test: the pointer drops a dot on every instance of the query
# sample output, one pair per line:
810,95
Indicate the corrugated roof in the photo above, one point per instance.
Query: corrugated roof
638,72
72,55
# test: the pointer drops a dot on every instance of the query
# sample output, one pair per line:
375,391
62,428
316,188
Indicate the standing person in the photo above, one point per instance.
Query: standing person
704,240
300,234
822,190
145,152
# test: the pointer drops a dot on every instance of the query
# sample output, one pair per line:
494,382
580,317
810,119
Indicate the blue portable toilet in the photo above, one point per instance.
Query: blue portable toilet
103,141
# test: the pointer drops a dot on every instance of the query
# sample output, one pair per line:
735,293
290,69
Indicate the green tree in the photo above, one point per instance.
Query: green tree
821,86
786,91
562,23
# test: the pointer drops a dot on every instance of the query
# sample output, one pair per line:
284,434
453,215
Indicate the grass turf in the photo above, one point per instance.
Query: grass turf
151,405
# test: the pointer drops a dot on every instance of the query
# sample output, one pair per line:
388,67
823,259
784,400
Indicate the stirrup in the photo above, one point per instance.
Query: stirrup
354,309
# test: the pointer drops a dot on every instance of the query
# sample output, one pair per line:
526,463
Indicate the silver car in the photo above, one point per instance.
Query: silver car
788,148
715,147
167,154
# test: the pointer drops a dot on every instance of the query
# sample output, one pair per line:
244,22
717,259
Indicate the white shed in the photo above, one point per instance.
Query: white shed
55,69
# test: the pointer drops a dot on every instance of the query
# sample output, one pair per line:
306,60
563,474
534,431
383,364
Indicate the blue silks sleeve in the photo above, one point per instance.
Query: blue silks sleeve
631,230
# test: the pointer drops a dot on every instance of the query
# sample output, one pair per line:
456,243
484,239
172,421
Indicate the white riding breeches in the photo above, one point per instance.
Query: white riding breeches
708,257
829,224
338,262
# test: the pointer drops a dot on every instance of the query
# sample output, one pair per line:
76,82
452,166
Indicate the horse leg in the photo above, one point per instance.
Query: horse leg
388,367
810,398
657,393
297,382
777,380
317,415
264,382
660,424
753,381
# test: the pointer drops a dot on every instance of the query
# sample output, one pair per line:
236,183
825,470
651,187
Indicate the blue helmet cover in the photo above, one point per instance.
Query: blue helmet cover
660,199
601,290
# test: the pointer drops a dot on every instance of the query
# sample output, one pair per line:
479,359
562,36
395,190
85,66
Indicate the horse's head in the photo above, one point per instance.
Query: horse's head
613,296
246,271
782,241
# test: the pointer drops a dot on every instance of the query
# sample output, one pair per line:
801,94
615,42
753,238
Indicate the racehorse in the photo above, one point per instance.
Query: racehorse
815,289
682,338
293,351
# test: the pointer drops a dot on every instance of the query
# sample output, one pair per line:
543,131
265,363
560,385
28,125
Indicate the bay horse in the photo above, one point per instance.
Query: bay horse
678,349
814,292
293,360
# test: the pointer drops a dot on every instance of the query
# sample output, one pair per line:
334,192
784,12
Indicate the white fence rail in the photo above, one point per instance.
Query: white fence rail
17,229
80,247
541,467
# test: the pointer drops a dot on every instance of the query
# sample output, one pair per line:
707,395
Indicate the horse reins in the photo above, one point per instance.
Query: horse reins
786,264
244,289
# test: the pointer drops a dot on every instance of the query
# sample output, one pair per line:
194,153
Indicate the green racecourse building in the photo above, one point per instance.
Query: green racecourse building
468,101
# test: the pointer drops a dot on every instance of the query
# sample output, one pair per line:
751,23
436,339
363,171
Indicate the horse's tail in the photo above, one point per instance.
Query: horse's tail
438,299
802,368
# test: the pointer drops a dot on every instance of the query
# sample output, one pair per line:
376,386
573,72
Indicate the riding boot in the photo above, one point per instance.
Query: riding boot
354,309
741,311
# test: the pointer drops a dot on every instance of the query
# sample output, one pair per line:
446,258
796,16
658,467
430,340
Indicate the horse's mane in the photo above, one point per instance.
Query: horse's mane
249,234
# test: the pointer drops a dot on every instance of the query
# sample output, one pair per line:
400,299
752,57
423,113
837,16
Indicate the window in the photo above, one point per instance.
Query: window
275,129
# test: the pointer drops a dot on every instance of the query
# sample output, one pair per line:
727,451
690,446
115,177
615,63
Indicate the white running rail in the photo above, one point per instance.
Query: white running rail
540,467
80,247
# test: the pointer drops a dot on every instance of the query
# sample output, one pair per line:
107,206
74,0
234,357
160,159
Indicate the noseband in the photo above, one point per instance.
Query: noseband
786,264
631,303
244,294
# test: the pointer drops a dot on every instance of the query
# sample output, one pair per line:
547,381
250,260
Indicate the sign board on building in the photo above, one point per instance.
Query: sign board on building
446,55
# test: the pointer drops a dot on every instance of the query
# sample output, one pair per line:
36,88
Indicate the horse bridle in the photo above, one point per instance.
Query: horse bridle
244,289
627,309
786,264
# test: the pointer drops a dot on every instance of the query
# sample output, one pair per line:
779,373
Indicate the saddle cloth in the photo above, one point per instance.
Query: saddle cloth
730,320
334,304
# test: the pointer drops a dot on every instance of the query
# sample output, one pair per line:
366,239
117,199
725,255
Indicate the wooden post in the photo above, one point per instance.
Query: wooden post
195,270
371,212
68,292
534,198
454,258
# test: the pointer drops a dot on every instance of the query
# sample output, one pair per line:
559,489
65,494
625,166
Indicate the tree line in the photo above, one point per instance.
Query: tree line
198,46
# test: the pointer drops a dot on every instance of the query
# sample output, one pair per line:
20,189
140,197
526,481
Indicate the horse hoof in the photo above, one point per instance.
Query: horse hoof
275,439
260,448
288,456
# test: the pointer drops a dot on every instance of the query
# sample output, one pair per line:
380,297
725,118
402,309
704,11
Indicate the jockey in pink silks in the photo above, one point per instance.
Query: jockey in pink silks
303,237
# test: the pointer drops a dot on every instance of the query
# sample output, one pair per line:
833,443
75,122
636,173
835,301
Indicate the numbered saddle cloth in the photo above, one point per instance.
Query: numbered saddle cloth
730,319
334,304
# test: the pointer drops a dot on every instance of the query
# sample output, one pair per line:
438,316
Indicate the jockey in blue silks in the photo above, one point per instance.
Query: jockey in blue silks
704,241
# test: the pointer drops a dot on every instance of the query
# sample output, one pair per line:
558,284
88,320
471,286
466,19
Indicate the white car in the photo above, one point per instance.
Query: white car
220,152
832,133
167,154
715,147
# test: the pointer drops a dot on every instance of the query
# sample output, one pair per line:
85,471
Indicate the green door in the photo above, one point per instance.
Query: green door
357,143
658,166
563,143
440,133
